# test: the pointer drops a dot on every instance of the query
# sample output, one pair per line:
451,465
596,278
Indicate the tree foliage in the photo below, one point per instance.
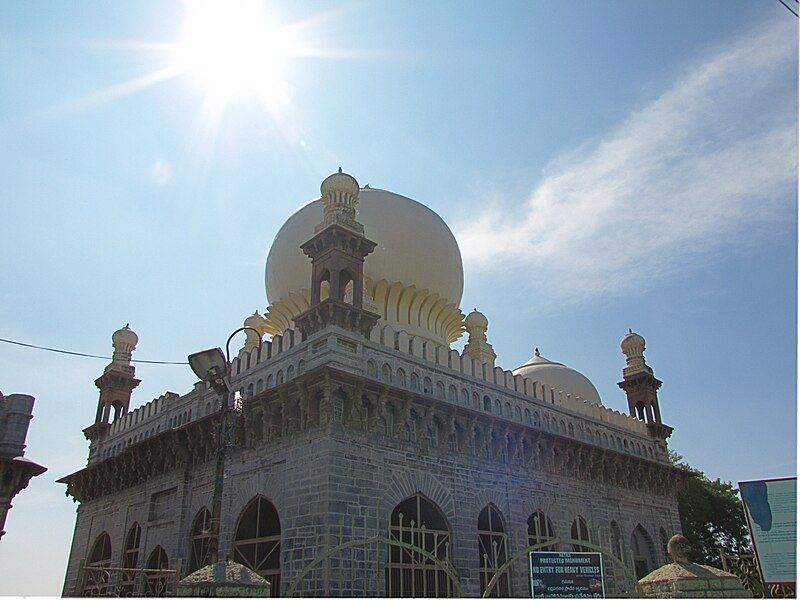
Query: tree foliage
711,516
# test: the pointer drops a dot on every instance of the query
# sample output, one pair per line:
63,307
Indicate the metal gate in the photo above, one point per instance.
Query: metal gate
415,562
118,581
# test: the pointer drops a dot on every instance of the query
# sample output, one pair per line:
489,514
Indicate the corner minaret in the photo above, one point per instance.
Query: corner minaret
337,252
478,346
641,387
115,384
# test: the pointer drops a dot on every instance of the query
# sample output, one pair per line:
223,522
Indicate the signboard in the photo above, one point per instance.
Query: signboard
771,509
566,575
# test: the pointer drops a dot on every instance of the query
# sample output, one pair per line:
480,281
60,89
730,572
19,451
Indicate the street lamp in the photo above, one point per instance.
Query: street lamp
214,368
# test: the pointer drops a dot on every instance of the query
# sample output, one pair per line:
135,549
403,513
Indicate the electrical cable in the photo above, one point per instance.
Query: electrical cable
151,362
789,9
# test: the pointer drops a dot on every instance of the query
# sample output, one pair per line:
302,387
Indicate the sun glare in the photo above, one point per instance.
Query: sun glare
233,49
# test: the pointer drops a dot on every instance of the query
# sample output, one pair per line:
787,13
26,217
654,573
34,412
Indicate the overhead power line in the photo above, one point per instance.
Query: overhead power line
151,362
788,8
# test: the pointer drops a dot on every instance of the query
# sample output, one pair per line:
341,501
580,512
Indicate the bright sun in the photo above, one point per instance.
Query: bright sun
233,49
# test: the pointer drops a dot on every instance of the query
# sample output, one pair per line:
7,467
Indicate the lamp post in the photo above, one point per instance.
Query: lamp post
214,367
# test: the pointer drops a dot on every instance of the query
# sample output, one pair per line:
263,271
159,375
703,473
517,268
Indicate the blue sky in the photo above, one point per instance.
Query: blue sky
603,166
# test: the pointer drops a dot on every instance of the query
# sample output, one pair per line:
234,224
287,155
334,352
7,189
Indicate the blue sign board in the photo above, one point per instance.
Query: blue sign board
566,575
771,509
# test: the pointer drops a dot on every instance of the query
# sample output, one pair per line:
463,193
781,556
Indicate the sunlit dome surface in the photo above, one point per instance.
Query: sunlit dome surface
415,248
559,377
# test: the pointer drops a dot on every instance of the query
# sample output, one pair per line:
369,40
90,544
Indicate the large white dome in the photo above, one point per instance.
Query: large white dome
559,377
414,277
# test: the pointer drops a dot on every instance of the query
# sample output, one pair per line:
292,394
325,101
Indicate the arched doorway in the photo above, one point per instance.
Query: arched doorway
642,551
580,533
199,551
418,551
257,543
156,583
492,551
130,560
97,574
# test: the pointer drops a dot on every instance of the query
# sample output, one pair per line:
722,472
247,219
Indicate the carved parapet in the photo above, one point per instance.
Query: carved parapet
335,312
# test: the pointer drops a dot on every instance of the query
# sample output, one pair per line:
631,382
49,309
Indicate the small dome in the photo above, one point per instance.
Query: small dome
559,377
632,344
256,321
339,183
125,339
476,319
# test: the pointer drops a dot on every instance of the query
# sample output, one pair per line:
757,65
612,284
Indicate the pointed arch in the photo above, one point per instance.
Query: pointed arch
580,532
200,542
155,582
642,551
493,551
130,560
422,541
540,529
257,541
98,561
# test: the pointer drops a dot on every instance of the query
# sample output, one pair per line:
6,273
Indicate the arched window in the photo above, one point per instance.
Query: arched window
427,385
508,410
571,429
492,551
498,408
401,377
199,553
386,373
580,532
97,574
372,369
527,416
279,377
259,386
642,550
439,389
452,393
269,380
156,583
409,573
414,381
464,397
540,530
130,560
518,413
250,390
616,540
487,404
290,372
257,543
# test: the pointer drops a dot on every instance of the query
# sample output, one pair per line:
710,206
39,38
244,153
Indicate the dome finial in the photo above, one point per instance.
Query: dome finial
478,345
339,193
536,351
124,341
633,347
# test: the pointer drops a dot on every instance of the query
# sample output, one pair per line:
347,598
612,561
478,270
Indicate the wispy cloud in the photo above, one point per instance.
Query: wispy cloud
715,155
162,172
